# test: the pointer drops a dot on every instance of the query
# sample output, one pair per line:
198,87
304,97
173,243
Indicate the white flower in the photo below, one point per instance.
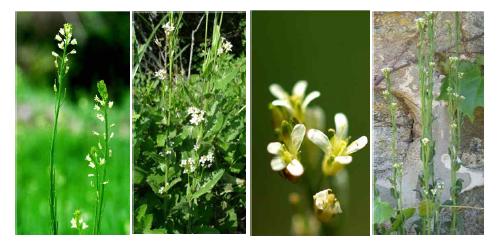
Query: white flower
326,205
91,165
110,104
196,147
102,161
197,115
90,175
60,45
210,156
96,107
58,38
161,74
286,155
88,158
72,51
386,70
61,31
105,182
296,103
55,54
168,28
225,46
161,190
74,42
95,133
74,224
453,59
337,149
84,226
100,117
425,141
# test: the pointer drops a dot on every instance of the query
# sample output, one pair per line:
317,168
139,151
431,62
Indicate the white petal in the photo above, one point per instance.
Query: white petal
274,147
283,103
357,145
319,138
299,88
343,159
278,92
297,136
277,164
341,123
295,168
312,96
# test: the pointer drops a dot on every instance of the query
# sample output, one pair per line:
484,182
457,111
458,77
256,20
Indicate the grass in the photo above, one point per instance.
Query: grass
33,134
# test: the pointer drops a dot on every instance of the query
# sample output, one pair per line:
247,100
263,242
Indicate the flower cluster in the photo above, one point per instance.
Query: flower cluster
337,150
77,221
206,160
225,46
61,61
197,115
189,165
160,74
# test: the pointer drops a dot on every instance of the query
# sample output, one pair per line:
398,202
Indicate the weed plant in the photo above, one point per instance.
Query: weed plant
189,126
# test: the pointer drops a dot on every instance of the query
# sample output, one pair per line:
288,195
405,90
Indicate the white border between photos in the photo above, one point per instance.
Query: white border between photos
7,111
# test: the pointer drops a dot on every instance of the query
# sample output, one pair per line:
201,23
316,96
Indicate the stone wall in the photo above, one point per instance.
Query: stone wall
394,45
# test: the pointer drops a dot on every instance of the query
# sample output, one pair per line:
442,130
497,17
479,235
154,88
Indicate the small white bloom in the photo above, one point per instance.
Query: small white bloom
88,158
96,107
55,54
61,31
58,38
91,165
95,133
425,141
74,42
60,45
72,51
90,175
297,102
286,156
100,117
102,161
196,147
74,224
110,104
99,145
105,182
161,74
161,190
168,28
84,226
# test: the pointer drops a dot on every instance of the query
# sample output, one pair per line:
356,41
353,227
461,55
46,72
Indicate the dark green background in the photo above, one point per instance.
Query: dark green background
331,51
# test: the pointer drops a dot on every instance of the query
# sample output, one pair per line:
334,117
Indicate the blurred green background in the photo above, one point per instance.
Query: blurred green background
102,53
331,51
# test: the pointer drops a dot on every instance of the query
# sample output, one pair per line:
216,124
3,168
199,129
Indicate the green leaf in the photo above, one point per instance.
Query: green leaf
472,86
212,181
382,211
160,140
141,212
425,208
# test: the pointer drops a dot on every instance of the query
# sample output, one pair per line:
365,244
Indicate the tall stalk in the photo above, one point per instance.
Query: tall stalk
64,39
396,179
455,119
426,65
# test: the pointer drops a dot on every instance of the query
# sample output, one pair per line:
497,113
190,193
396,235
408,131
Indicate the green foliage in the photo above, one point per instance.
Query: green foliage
382,211
471,87
180,122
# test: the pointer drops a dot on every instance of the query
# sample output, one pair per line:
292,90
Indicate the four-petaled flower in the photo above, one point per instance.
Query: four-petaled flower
337,150
297,103
286,155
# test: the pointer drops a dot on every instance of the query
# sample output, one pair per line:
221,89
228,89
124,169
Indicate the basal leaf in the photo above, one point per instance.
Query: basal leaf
212,181
382,211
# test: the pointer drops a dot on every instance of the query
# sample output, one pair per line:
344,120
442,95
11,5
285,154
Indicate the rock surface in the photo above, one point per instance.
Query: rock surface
394,45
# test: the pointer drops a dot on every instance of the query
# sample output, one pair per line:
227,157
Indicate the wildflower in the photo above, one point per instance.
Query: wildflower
421,23
95,133
453,125
88,158
84,226
91,165
161,74
453,59
196,147
197,115
102,161
61,45
58,38
460,75
72,51
393,104
286,155
326,205
168,28
55,54
105,182
161,190
431,64
90,175
386,92
110,104
188,165
77,221
74,42
73,223
100,117
297,103
425,141
337,150
386,71
225,46
168,152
